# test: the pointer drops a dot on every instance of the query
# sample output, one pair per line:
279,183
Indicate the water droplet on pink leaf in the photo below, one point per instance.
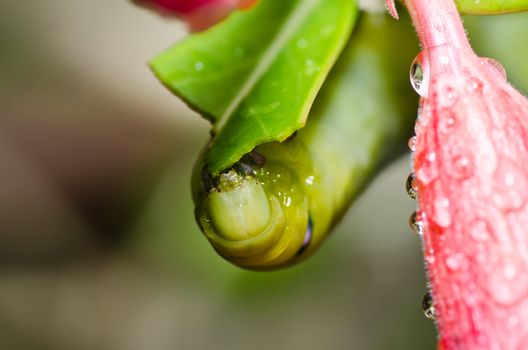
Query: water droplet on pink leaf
419,75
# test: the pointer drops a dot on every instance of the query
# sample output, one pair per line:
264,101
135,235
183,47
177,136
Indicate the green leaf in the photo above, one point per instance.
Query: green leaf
489,7
256,75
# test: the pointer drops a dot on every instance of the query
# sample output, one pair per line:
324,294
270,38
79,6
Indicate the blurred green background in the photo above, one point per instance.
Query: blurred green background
98,245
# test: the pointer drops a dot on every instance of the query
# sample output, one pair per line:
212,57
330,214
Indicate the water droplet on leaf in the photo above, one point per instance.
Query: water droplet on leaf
496,66
199,66
511,187
448,97
431,157
302,43
410,186
419,75
461,167
480,231
475,84
429,170
310,68
416,223
441,215
412,143
428,307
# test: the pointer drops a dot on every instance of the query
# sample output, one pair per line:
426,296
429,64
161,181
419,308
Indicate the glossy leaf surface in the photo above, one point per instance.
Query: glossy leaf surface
256,75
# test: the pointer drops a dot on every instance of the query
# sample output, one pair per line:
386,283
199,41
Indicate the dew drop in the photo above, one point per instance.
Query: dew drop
448,97
412,143
199,66
456,262
416,223
429,171
441,215
302,43
461,168
511,187
475,85
479,231
410,186
431,157
428,307
310,67
419,75
448,122
496,67
287,201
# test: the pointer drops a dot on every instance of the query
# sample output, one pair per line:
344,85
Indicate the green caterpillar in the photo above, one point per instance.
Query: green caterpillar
276,205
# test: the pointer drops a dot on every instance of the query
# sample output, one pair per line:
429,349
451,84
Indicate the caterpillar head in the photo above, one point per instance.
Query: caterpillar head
256,214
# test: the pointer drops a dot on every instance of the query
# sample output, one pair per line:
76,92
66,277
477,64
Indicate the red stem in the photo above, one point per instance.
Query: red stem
437,23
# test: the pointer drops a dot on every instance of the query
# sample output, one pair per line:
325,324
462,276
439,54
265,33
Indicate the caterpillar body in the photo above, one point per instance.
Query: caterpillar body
277,204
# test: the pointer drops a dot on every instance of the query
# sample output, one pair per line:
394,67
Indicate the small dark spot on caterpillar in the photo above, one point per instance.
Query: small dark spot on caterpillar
307,237
207,180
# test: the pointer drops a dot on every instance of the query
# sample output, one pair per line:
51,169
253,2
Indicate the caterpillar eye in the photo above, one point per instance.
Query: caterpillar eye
307,237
